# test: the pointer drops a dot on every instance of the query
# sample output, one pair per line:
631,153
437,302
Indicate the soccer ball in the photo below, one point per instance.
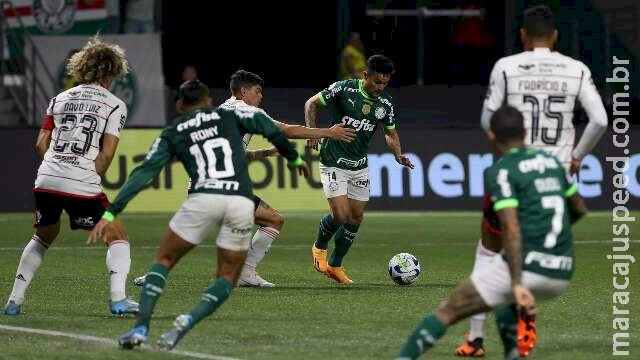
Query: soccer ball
404,269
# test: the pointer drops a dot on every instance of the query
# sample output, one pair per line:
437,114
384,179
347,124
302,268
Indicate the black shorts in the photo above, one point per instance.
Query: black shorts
83,212
256,202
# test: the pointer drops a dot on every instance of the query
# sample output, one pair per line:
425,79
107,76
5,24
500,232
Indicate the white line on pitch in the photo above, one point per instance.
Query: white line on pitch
111,342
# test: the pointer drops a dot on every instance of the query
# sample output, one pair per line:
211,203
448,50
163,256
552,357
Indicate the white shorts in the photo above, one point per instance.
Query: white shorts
200,212
339,182
493,283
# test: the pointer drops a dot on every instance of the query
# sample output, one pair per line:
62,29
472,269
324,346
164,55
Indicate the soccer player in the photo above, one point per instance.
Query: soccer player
77,141
535,202
209,144
361,105
544,85
246,94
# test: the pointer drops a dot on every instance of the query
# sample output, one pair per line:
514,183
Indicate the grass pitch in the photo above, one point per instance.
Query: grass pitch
307,316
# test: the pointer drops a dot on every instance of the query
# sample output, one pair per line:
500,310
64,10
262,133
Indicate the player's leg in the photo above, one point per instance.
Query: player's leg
171,250
463,302
488,246
233,243
83,214
48,211
270,223
358,195
334,184
344,239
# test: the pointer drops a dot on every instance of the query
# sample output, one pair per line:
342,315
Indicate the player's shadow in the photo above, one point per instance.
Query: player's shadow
360,287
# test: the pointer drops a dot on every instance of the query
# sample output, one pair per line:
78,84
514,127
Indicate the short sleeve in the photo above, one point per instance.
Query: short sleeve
330,94
48,123
116,120
502,186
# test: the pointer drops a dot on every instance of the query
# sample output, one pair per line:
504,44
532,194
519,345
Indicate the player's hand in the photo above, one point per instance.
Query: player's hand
575,166
341,133
313,143
525,300
404,161
303,169
98,231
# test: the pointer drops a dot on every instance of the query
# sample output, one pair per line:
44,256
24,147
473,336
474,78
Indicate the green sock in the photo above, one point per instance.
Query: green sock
423,338
344,239
507,322
328,227
151,291
215,295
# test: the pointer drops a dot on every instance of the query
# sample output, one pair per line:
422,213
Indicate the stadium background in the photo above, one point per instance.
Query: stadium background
438,87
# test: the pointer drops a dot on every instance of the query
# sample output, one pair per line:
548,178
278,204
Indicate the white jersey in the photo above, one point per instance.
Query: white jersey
544,86
234,103
78,118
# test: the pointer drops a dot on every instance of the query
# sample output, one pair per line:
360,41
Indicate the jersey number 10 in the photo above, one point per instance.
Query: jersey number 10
211,166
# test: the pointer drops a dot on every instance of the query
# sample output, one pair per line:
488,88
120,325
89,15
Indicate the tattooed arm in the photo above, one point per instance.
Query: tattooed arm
512,244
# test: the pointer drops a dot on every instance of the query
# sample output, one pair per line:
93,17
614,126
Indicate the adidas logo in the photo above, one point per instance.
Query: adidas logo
20,277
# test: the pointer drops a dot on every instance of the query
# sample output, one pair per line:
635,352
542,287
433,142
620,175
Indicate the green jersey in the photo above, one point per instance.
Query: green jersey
534,182
353,107
209,145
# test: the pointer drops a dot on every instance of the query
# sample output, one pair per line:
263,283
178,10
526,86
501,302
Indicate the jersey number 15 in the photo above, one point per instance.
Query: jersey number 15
536,132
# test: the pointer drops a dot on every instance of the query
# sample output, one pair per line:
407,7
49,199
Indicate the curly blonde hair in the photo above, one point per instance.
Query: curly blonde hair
98,62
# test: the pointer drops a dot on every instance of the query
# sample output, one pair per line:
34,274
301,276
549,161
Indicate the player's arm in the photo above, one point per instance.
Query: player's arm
391,136
310,113
592,103
106,154
495,96
44,136
336,132
393,143
110,138
260,153
159,155
502,187
43,141
577,206
261,123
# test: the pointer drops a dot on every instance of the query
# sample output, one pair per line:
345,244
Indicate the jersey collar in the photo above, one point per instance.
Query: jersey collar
542,50
362,92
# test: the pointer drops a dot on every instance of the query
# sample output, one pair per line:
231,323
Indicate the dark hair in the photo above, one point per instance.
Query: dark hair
507,123
380,64
539,21
192,92
243,78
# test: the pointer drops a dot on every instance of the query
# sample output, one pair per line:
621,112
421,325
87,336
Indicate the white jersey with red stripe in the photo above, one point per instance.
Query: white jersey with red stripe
78,119
234,103
544,86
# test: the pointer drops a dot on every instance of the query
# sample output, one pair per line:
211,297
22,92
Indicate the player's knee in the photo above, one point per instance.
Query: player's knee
341,218
356,218
277,221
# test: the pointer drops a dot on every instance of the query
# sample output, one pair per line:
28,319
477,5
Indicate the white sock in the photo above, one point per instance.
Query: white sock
260,244
29,262
118,264
483,257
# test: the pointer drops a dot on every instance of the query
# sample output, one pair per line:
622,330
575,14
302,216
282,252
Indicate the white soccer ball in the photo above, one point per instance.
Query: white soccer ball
404,269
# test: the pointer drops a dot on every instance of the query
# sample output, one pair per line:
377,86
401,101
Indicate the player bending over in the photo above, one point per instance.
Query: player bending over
246,94
209,144
544,85
536,202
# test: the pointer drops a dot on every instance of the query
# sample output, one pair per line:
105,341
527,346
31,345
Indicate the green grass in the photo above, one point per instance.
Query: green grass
307,316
